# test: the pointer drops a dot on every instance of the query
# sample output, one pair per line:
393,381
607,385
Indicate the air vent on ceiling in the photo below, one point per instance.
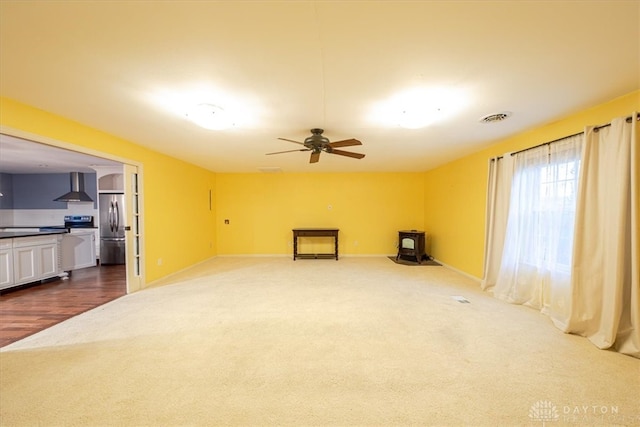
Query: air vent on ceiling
497,117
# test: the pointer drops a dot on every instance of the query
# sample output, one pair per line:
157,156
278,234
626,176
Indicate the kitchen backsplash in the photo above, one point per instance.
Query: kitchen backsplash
43,217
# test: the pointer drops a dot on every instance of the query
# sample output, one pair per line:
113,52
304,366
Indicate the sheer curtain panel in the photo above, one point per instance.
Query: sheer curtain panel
535,269
605,276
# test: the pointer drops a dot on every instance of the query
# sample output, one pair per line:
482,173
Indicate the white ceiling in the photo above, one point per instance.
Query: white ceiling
283,67
22,156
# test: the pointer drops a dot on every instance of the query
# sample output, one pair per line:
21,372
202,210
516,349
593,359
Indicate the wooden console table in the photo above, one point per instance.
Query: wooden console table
315,232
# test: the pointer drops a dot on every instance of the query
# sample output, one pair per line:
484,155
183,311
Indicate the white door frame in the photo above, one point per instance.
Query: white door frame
133,228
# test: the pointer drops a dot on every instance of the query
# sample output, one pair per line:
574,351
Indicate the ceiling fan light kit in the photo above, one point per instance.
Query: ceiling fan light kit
316,143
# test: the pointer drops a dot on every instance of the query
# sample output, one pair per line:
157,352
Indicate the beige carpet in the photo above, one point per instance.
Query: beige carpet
270,341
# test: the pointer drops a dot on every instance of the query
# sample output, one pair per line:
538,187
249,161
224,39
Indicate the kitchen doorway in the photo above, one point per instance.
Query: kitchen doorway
82,157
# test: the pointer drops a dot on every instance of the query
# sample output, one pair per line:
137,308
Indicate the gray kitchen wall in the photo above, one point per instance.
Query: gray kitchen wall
6,184
37,191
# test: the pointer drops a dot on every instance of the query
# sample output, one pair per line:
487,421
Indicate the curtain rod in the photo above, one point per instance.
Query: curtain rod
595,129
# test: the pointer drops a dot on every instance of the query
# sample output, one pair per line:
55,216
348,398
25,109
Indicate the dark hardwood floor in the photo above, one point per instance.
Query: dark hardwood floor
25,311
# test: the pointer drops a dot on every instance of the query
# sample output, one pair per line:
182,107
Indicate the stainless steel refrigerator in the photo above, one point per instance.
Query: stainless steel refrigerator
112,246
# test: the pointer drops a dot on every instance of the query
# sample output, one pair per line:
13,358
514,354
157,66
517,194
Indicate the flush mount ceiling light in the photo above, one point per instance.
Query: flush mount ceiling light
420,106
497,117
417,118
209,116
209,105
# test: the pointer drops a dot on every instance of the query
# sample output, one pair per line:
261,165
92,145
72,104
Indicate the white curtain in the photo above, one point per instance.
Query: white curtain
535,269
497,210
605,277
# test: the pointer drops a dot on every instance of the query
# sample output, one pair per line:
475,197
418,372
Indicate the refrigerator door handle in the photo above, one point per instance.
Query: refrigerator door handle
111,216
117,216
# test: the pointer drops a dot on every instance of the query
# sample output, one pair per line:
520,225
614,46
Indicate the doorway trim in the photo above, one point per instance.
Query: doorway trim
136,279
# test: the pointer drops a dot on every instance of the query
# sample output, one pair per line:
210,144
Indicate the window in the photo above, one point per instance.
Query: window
536,260
557,201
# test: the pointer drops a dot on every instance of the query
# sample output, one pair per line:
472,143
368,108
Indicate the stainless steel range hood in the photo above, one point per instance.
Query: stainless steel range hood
77,193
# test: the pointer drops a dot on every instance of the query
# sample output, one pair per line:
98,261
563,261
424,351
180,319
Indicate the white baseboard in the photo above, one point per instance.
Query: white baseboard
340,255
168,276
474,278
252,256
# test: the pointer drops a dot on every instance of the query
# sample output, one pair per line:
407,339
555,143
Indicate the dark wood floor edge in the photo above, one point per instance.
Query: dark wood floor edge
31,309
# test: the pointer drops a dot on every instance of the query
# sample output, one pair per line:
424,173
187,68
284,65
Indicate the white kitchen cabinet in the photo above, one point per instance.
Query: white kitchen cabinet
78,250
110,178
26,267
35,258
96,240
6,263
48,256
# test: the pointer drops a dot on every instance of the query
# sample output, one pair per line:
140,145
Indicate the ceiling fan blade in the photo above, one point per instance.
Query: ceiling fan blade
288,151
345,143
347,153
315,156
291,140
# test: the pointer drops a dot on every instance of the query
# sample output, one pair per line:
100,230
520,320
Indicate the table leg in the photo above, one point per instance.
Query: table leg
295,247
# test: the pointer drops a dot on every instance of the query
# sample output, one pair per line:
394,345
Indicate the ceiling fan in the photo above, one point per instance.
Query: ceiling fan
316,143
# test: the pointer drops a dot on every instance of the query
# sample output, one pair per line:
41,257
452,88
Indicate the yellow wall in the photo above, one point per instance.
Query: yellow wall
455,193
368,208
178,225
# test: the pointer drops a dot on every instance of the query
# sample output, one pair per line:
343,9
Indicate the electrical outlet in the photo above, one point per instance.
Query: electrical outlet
159,261
355,243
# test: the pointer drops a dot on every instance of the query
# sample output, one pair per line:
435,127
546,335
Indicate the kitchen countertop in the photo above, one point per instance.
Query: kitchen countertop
14,234
11,227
